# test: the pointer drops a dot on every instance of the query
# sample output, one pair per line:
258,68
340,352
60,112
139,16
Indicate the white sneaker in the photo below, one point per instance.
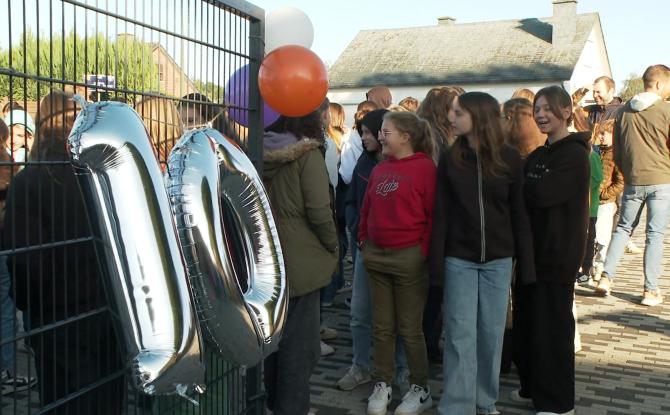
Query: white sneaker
402,380
326,349
652,297
631,248
378,402
327,333
354,377
415,401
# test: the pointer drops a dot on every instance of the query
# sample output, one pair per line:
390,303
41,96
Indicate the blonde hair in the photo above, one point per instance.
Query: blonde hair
336,126
397,108
163,122
409,103
524,93
421,135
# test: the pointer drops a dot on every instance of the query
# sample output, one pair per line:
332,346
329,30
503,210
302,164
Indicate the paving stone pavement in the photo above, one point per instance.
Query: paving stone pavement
623,368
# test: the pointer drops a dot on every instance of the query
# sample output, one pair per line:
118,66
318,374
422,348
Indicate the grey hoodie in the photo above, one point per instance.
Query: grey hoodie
641,134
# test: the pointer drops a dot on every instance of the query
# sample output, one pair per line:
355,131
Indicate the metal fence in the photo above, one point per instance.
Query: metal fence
170,59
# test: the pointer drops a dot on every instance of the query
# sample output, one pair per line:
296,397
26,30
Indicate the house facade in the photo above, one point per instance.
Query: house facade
497,57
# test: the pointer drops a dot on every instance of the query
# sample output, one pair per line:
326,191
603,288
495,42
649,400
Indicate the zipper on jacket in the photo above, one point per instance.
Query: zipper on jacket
482,220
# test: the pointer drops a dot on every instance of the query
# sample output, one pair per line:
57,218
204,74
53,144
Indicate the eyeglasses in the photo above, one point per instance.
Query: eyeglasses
386,133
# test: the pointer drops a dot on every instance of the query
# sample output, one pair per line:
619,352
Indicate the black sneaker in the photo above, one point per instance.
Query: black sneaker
583,279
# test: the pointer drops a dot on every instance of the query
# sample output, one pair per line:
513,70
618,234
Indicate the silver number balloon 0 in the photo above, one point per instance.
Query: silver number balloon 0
230,244
146,275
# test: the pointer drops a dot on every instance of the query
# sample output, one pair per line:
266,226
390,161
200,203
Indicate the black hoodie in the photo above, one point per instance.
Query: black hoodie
557,199
480,218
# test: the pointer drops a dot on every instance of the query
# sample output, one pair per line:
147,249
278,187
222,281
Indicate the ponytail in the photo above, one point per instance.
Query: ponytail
418,129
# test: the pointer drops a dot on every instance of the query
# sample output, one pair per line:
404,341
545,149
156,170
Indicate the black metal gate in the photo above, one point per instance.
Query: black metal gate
170,59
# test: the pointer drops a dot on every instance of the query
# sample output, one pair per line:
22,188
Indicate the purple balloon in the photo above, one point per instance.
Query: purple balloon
237,95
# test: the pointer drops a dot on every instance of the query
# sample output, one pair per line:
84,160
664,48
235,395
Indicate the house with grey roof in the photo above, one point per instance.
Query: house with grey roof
497,57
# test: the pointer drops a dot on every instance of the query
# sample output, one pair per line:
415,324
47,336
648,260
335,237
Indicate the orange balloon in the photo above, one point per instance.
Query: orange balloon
293,80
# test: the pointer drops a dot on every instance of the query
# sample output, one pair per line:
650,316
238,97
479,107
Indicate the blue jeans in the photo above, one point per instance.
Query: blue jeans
7,318
657,199
475,310
361,319
329,292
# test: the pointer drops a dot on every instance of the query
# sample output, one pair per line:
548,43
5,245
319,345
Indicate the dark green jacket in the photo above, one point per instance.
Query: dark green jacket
294,173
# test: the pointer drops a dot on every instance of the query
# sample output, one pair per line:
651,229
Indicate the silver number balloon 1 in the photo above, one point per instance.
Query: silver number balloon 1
231,246
129,208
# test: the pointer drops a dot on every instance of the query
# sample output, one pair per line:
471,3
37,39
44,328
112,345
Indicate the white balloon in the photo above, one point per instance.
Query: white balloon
288,26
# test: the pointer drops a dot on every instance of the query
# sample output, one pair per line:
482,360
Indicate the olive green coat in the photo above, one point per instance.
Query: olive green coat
297,183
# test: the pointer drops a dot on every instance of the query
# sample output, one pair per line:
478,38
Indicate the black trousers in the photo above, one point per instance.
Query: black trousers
544,349
72,357
432,323
590,251
287,371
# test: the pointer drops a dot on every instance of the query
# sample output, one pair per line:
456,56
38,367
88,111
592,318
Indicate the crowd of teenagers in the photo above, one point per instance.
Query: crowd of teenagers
467,221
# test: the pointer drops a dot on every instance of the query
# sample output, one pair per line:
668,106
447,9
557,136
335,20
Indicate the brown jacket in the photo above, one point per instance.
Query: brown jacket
612,184
641,134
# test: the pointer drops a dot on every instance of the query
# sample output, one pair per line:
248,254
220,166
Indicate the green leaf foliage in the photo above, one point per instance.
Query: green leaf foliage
71,58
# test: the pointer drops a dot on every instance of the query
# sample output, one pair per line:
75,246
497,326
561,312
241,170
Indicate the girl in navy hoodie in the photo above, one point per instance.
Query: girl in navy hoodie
394,234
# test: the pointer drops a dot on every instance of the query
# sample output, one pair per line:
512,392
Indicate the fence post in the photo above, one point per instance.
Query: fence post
256,53
255,394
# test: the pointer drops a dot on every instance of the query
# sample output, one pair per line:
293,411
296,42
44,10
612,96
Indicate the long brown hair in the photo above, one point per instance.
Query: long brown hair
520,128
163,122
487,129
421,135
336,126
435,109
57,114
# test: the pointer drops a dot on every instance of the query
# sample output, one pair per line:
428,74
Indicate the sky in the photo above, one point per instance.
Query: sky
637,33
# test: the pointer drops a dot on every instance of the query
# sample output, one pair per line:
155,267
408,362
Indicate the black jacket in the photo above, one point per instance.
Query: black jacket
557,197
479,218
356,192
601,113
63,278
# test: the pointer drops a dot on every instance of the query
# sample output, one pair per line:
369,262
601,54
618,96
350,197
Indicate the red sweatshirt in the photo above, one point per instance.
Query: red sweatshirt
398,205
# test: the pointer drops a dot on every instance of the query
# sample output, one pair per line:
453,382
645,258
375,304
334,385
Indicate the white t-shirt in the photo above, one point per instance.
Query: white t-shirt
331,161
351,151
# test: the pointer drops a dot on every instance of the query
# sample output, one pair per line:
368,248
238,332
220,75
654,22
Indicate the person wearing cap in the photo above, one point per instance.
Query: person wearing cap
22,132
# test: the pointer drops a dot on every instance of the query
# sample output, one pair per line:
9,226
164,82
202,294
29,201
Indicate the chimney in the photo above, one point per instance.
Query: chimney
446,20
564,22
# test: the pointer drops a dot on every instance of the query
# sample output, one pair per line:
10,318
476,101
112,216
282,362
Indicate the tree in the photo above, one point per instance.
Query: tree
210,89
71,58
631,87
